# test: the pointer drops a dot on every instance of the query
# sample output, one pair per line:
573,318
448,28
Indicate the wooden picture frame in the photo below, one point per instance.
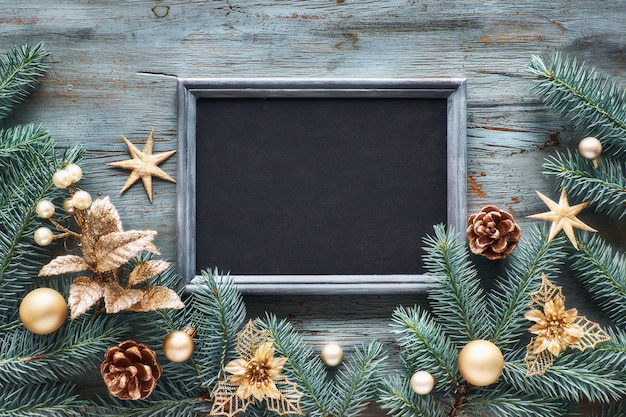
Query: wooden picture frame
236,110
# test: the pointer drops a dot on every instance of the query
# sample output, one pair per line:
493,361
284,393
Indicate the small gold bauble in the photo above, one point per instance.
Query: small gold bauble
68,206
591,148
178,346
45,209
422,382
43,311
81,200
43,236
332,354
481,363
62,179
76,173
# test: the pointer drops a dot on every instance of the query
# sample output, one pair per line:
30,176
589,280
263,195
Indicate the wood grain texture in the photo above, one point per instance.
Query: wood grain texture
114,66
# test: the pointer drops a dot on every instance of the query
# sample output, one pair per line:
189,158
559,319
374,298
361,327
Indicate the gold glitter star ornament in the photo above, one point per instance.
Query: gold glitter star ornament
144,165
255,376
563,217
556,328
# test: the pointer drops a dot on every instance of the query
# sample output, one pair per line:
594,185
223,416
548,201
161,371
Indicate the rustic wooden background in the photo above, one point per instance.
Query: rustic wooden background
114,66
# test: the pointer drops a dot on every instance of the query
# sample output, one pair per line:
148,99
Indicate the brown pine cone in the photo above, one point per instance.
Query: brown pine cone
130,370
492,233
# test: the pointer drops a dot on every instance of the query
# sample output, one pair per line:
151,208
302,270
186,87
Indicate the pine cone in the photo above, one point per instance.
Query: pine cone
130,370
492,233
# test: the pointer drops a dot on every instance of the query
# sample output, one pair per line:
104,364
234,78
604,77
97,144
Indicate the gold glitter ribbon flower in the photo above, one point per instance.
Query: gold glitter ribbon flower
556,328
256,375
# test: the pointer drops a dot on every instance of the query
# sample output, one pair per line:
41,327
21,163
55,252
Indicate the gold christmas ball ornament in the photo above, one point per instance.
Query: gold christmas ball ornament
43,236
178,346
45,209
590,148
62,179
43,311
68,205
481,363
76,173
422,382
332,354
81,200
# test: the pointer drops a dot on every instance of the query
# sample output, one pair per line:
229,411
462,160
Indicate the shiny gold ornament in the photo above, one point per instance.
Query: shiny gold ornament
257,375
481,363
422,382
144,165
43,311
62,179
178,346
591,148
106,247
556,328
332,354
563,217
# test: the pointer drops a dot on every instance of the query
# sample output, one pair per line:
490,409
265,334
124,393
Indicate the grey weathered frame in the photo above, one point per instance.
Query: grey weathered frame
191,89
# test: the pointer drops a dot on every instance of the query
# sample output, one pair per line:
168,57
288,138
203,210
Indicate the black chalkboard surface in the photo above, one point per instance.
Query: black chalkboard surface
308,179
318,185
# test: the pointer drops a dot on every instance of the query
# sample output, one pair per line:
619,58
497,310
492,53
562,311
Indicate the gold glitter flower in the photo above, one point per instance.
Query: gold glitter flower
256,376
556,328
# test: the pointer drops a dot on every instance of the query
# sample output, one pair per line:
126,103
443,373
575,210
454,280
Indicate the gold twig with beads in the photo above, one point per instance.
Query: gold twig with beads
256,375
556,329
105,248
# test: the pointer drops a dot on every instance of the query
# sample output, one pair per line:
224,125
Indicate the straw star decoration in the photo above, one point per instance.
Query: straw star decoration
556,328
563,217
144,165
256,375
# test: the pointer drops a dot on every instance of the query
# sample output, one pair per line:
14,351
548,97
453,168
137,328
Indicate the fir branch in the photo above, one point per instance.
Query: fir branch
509,300
603,273
572,378
303,368
604,187
397,398
20,70
358,381
617,409
44,400
78,345
456,299
217,311
426,346
594,103
503,403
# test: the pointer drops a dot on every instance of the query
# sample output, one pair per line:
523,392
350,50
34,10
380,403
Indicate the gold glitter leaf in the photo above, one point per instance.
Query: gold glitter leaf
592,334
289,400
117,248
84,293
117,298
226,402
146,270
101,220
249,339
63,265
156,298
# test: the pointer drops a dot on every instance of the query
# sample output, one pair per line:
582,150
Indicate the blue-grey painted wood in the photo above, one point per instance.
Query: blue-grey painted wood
114,68
192,89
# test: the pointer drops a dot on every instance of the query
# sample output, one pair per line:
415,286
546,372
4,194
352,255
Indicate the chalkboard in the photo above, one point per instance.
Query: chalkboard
318,185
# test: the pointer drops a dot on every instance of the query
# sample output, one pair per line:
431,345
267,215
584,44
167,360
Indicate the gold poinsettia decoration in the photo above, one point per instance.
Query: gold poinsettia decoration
556,328
105,248
256,375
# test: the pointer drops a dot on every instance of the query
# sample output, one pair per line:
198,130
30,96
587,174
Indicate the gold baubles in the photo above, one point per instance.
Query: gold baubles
76,173
481,363
62,179
590,148
422,382
43,311
332,354
43,236
45,209
178,346
81,200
